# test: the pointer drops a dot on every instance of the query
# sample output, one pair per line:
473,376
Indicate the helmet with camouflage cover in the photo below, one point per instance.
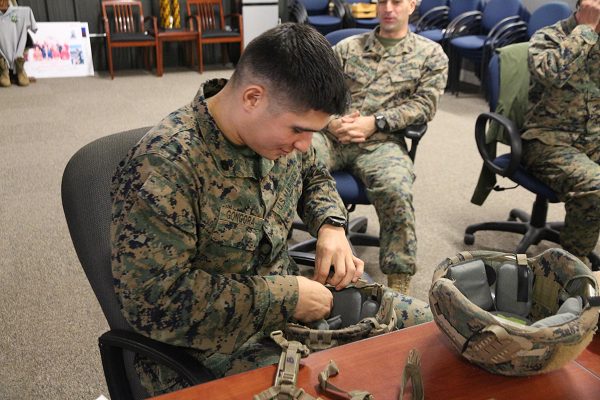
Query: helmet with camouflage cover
514,315
359,311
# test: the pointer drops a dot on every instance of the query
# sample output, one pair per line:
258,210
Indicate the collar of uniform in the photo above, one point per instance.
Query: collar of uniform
231,160
404,46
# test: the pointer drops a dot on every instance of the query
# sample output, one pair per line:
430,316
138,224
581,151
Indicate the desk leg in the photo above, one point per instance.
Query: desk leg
200,61
159,59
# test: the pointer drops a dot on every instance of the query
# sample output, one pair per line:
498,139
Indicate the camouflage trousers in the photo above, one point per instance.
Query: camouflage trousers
257,352
386,170
573,172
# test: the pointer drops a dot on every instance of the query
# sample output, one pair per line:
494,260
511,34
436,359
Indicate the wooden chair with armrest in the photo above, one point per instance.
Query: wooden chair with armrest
210,22
125,26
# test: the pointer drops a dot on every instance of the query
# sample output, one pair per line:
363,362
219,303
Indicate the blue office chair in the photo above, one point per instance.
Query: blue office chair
351,22
351,189
480,32
452,14
319,15
534,227
427,15
545,15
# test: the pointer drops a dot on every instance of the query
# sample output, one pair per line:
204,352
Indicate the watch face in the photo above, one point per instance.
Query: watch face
335,221
380,122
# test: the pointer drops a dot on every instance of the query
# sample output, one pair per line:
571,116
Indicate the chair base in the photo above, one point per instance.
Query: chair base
521,222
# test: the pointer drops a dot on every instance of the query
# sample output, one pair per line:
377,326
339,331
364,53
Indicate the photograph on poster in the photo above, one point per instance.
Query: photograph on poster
60,49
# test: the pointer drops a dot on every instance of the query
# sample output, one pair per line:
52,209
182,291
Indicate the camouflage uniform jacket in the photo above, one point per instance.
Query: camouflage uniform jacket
199,232
402,83
564,96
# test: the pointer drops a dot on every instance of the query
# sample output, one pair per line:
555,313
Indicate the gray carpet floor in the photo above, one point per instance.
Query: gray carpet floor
49,317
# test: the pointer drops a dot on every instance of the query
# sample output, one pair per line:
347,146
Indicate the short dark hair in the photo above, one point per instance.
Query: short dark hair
297,63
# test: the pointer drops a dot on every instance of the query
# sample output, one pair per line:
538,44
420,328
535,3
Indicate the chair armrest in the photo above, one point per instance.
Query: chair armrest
106,28
336,7
415,133
511,32
112,344
516,145
154,23
349,20
191,19
465,24
499,27
235,17
434,18
297,12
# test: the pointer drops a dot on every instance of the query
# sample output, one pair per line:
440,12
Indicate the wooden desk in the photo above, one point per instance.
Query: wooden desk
176,35
376,365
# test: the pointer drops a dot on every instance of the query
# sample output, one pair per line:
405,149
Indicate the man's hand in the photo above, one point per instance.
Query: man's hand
333,249
589,13
352,128
314,301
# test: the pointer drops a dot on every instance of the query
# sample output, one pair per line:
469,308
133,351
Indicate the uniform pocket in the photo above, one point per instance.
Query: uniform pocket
167,201
405,80
237,229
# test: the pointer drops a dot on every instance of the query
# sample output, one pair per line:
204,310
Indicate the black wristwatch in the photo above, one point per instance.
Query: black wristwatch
335,221
381,123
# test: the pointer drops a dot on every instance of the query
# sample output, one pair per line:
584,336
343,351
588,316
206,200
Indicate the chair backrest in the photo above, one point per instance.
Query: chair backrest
495,11
337,36
546,15
458,7
123,16
427,5
316,7
210,13
87,206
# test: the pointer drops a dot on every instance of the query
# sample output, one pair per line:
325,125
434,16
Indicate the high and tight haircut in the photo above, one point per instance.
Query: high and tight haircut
297,63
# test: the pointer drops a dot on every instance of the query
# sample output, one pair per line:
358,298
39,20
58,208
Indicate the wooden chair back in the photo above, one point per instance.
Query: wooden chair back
123,16
210,13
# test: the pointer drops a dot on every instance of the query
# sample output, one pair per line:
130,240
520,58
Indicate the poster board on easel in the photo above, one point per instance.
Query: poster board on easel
60,49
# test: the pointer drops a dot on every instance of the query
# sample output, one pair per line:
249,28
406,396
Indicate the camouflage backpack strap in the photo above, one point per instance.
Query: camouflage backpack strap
412,373
332,370
287,371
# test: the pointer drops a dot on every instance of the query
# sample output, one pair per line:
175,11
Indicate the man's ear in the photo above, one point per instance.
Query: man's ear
253,96
413,5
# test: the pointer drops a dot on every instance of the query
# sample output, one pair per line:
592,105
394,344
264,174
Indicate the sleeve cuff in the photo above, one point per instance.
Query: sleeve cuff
282,299
588,35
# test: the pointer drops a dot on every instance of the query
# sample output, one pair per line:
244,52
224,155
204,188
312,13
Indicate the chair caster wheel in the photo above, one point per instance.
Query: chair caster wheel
469,239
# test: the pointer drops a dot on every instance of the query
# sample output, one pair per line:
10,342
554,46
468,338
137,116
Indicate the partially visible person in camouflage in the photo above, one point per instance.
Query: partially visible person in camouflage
203,204
562,126
395,78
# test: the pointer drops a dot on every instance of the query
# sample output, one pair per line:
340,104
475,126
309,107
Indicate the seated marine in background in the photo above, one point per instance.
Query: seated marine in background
203,204
561,145
395,79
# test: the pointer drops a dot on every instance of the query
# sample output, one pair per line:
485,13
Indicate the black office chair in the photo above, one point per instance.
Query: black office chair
534,227
351,189
87,205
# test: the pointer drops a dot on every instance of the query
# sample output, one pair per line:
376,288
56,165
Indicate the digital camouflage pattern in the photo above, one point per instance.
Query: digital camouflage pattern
403,83
507,348
564,120
383,322
199,234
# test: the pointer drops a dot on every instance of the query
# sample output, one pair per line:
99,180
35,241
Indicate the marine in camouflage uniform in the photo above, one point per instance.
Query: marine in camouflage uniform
402,82
562,127
199,242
